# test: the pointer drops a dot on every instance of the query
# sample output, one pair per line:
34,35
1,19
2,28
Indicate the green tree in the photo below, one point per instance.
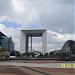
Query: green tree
46,55
58,55
18,54
51,54
41,55
33,54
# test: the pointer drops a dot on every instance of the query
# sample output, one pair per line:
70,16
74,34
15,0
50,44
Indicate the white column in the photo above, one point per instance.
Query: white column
22,42
44,42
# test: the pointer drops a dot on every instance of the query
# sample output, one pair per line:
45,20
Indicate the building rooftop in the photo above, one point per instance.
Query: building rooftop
1,34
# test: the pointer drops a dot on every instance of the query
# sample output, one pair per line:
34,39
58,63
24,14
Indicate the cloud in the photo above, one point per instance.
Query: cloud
60,37
11,32
10,23
56,40
17,6
57,16
45,13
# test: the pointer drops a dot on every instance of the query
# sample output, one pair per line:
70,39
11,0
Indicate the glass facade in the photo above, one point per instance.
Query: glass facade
6,42
69,47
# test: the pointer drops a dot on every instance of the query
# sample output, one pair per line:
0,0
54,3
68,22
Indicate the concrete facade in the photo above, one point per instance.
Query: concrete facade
24,37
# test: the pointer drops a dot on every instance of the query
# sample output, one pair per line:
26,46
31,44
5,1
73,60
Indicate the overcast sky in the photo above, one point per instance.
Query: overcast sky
57,16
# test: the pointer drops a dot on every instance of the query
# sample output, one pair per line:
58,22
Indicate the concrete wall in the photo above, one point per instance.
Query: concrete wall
22,42
24,39
44,42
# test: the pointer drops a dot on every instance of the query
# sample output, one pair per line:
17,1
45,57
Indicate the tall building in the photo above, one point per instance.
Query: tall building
6,42
69,47
3,41
10,44
26,34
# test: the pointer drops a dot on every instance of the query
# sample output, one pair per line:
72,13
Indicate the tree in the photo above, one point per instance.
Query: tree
18,54
24,54
41,55
58,55
46,55
13,53
32,54
51,54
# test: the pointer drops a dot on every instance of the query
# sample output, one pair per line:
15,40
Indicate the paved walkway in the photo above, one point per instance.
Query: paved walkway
46,65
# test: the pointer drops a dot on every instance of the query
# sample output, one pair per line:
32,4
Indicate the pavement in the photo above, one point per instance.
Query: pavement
21,68
46,65
17,70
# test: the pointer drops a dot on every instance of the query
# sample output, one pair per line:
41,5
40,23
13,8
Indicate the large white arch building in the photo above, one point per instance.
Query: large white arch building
25,34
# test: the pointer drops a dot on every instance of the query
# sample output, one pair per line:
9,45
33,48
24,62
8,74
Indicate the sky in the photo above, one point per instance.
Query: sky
57,16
